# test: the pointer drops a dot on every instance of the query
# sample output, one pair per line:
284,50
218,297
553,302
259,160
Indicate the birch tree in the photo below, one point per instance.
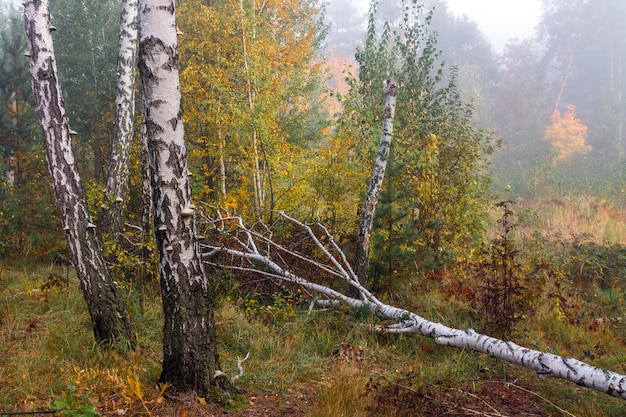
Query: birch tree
260,254
436,187
111,323
111,220
190,358
376,181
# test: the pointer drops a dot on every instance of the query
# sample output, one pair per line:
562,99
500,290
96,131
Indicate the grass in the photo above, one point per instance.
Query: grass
598,220
46,343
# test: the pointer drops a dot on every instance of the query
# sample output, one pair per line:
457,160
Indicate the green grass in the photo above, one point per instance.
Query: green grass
46,342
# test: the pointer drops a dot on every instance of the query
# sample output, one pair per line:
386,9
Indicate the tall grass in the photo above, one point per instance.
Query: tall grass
46,342
598,220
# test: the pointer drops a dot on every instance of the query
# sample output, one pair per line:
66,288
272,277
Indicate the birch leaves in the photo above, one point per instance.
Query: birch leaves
250,82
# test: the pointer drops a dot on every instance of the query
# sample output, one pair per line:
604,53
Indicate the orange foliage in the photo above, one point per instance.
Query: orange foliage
567,134
339,68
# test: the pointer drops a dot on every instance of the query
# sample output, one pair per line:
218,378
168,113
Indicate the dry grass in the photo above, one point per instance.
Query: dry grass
343,394
567,218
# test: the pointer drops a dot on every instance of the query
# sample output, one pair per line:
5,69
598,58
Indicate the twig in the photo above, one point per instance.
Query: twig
511,384
239,362
481,413
497,413
132,226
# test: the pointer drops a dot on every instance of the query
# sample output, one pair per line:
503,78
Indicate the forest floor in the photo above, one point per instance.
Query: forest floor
328,363
495,399
302,364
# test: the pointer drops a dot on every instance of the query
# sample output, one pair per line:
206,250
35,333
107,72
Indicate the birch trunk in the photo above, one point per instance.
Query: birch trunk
111,323
190,359
257,182
245,244
147,201
221,171
361,260
111,220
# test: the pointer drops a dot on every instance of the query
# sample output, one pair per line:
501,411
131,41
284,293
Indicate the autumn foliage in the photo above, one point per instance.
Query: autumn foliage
251,80
567,134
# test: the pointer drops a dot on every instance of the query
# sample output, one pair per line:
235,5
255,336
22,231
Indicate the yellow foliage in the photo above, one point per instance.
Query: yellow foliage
567,134
248,72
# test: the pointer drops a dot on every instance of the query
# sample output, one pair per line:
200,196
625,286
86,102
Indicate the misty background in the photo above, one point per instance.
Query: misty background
545,76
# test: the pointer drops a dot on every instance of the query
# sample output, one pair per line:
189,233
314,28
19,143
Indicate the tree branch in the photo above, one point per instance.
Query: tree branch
404,321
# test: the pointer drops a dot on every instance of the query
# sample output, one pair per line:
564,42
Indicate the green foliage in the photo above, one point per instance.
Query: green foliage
281,308
591,264
26,213
433,205
137,262
86,50
251,82
75,405
504,293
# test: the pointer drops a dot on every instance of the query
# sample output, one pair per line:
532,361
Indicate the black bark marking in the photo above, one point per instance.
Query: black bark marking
174,122
174,162
169,8
43,74
109,317
172,62
152,129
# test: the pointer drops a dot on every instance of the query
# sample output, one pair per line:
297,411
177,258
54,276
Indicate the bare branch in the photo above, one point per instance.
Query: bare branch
404,321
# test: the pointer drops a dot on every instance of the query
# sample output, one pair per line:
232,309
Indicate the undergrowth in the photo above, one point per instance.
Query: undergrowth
303,361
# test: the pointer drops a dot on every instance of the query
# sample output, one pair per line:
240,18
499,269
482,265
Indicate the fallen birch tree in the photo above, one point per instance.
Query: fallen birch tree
264,256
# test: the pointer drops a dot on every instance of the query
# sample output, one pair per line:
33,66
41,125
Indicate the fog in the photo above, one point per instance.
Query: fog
500,20
545,76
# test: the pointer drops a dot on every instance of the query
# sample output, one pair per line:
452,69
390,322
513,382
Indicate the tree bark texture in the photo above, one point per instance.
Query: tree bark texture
111,220
111,323
361,260
147,201
190,359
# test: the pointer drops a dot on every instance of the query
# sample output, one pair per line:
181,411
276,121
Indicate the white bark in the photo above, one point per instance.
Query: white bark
147,202
190,359
376,181
116,191
245,244
107,310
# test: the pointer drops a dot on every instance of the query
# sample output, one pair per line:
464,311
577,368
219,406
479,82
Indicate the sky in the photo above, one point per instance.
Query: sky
500,20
